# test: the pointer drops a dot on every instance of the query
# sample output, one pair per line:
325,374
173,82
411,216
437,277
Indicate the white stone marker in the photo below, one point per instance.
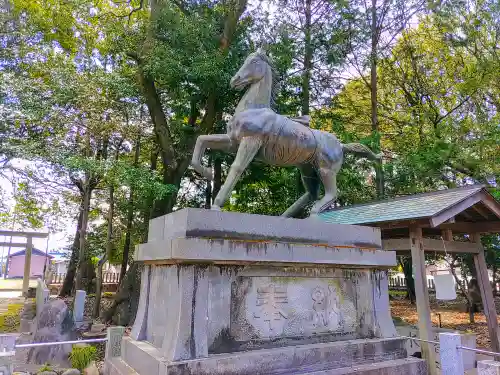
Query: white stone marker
451,357
488,367
79,305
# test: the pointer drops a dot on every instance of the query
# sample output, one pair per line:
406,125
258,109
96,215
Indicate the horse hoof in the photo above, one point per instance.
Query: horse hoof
215,208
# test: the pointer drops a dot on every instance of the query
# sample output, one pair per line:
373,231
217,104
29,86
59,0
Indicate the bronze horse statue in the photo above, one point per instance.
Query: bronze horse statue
256,131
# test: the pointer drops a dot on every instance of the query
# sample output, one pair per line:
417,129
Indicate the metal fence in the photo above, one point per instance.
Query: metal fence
399,283
8,347
450,352
107,278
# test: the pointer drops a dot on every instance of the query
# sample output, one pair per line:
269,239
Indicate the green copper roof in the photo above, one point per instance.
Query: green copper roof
402,208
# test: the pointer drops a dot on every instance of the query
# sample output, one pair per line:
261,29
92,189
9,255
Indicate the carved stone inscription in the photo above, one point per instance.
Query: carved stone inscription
271,307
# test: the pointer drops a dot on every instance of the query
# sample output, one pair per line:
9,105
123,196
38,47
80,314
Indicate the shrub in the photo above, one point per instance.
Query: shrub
46,367
81,356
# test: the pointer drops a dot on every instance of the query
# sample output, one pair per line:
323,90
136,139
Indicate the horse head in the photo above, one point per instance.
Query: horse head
255,68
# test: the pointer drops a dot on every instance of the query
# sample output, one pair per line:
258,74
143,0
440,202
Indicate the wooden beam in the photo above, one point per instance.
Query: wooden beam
23,234
467,215
455,210
463,227
486,295
12,244
27,266
401,224
422,296
481,211
429,244
492,204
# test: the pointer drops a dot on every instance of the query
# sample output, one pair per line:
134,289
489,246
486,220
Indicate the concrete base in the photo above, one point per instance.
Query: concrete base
237,294
367,357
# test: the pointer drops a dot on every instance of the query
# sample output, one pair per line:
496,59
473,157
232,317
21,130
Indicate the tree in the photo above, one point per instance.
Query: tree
385,20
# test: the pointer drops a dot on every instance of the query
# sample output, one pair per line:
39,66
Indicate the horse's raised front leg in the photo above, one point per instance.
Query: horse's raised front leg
329,178
213,141
249,146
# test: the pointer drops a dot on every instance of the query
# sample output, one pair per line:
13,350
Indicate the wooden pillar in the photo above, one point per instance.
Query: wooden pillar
486,294
447,234
422,297
27,265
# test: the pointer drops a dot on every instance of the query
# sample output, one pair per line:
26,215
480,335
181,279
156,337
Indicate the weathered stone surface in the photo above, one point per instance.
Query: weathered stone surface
140,325
29,310
71,371
79,305
407,366
271,307
54,323
193,222
188,250
91,369
114,343
451,357
246,308
146,359
488,367
259,295
7,362
466,339
42,296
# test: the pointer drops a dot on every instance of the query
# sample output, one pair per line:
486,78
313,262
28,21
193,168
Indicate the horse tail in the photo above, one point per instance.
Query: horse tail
362,150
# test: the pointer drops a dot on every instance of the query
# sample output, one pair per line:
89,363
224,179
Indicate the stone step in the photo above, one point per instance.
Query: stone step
407,366
116,366
145,359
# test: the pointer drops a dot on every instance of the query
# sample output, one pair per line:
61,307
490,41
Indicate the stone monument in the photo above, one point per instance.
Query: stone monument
240,294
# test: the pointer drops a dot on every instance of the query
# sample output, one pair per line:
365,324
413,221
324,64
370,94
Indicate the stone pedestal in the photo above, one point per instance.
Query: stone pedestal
230,293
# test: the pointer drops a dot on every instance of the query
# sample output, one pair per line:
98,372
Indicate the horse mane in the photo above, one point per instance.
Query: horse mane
275,78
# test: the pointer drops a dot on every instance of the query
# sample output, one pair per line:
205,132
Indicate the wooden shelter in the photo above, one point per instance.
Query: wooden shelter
28,245
427,222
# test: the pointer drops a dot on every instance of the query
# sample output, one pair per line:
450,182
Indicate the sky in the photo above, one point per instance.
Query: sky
56,240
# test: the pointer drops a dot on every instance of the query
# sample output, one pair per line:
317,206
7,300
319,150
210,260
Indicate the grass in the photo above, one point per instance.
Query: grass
397,293
81,356
9,320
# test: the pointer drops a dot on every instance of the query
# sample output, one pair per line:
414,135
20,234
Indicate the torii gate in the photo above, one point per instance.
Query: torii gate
29,248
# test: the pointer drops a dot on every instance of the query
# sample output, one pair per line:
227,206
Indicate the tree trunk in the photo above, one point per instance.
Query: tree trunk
130,217
173,164
494,282
407,265
107,255
69,279
124,308
308,55
379,177
81,277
